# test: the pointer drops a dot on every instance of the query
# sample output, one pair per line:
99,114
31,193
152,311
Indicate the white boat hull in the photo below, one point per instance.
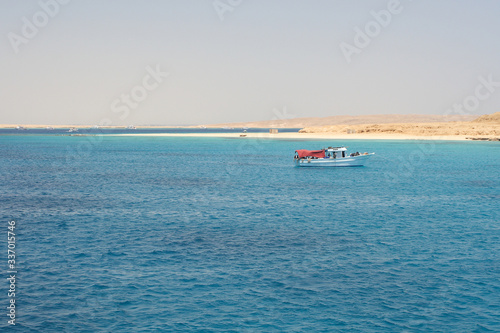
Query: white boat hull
349,161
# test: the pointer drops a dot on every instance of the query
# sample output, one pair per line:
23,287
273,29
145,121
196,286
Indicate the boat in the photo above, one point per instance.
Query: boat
131,127
73,129
21,128
330,157
49,128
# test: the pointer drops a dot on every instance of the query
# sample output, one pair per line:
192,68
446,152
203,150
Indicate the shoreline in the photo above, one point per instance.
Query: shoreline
305,136
292,136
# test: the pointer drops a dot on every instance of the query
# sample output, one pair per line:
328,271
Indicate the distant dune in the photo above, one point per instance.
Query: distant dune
349,120
493,118
487,126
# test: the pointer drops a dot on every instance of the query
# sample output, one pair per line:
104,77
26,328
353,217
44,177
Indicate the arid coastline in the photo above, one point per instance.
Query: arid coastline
486,127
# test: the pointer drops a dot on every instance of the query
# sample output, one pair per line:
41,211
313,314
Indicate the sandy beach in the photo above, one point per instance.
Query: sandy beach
486,127
305,136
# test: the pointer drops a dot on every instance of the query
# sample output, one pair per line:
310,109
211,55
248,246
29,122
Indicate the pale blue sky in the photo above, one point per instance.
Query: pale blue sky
264,55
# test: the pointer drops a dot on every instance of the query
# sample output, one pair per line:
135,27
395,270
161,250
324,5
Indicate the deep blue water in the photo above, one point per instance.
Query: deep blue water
129,234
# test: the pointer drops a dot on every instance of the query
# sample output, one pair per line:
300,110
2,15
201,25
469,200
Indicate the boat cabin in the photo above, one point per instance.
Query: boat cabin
335,152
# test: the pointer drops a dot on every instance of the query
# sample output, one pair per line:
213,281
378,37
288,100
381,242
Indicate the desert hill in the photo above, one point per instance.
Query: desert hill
493,118
349,120
487,126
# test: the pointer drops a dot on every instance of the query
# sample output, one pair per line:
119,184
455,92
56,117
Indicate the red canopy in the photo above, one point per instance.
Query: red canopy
312,153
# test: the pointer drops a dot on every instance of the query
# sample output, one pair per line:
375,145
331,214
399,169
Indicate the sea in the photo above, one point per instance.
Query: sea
204,234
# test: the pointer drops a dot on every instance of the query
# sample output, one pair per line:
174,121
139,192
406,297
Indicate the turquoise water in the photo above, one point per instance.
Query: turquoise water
224,235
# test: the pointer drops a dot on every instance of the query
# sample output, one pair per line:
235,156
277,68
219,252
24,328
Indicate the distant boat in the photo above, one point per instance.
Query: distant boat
203,127
73,129
95,127
245,128
330,157
228,128
21,128
49,128
131,127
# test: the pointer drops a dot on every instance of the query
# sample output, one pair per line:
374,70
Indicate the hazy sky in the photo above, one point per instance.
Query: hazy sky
169,62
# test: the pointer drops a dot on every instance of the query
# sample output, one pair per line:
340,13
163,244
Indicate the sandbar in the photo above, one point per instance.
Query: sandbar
302,136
